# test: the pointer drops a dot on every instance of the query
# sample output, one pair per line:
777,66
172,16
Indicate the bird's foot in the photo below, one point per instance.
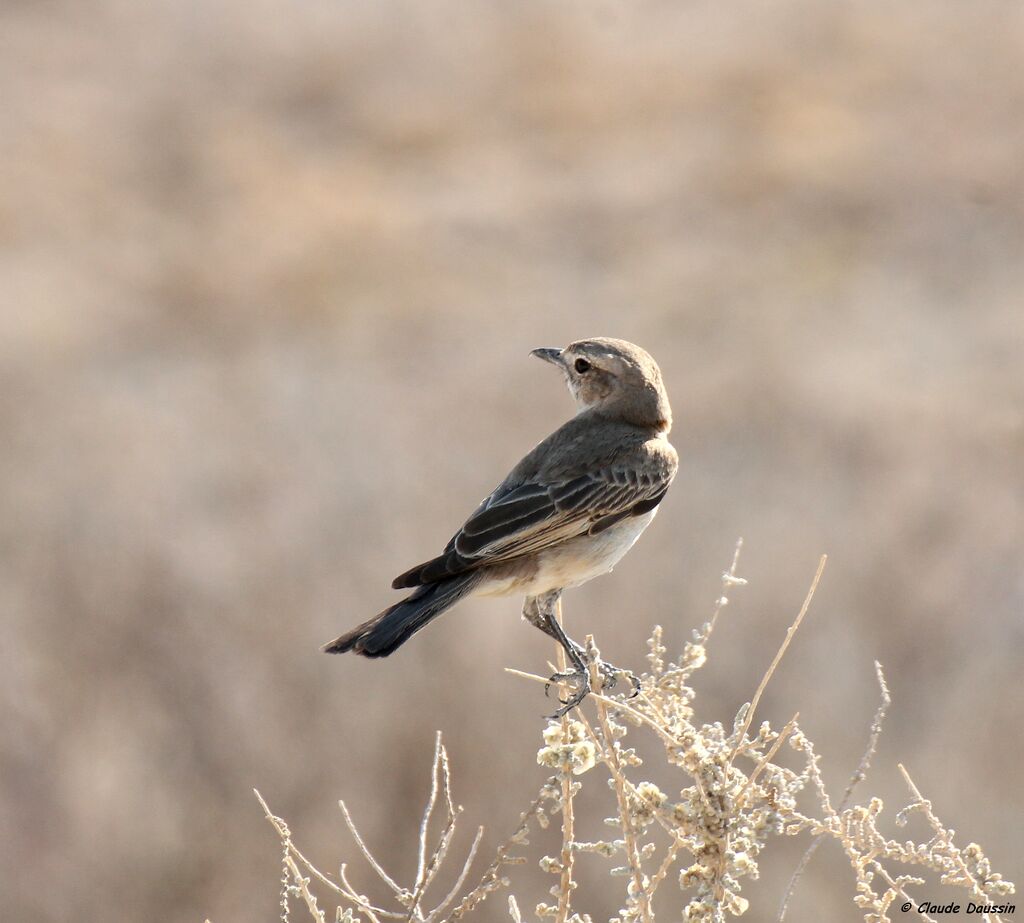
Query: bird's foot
609,672
609,678
580,678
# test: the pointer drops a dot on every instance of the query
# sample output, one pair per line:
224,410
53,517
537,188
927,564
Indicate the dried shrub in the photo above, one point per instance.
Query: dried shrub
705,838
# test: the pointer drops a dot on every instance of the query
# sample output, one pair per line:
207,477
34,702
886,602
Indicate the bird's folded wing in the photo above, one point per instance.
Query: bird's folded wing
535,516
540,514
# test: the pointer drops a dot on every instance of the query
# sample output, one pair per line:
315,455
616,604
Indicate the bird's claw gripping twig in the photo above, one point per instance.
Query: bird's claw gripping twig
634,681
581,658
569,676
611,674
576,677
581,677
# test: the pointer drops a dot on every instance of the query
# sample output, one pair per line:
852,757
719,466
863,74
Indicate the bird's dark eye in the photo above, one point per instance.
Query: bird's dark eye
581,366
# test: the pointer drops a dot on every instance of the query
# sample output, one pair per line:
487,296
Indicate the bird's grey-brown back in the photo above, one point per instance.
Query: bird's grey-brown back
590,441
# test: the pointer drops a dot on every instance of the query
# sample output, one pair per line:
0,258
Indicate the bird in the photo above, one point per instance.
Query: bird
565,514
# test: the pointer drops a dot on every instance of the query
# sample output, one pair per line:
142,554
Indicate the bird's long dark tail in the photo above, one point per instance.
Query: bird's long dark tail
386,632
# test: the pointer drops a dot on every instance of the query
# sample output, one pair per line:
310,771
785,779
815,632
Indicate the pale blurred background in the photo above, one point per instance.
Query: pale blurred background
270,273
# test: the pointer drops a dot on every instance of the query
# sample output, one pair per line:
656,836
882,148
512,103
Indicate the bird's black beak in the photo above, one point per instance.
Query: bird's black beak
548,354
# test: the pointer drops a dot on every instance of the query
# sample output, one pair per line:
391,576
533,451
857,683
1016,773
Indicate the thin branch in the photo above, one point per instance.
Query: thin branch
421,864
461,880
670,857
778,658
568,854
400,892
783,734
302,883
729,579
874,734
897,887
441,772
363,903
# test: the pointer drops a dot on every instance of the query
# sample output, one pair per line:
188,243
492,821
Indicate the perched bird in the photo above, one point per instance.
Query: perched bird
565,514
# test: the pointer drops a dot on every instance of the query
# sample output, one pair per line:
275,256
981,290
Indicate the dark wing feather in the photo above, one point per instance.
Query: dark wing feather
530,517
520,504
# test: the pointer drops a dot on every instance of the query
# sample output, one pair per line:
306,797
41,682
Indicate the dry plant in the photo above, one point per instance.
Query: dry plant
707,837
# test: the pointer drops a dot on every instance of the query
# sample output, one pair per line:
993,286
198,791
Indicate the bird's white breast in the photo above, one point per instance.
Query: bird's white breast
581,559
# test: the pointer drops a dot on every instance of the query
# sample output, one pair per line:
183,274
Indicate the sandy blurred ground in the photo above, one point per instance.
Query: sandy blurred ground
269,274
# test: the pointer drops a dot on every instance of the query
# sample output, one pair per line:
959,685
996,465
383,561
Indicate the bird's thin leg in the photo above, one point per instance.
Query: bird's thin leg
575,653
542,612
581,675
536,610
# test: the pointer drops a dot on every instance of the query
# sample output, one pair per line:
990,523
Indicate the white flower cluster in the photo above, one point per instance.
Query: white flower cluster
567,749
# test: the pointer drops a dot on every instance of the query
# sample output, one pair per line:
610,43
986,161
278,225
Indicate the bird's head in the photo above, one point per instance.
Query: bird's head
614,378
